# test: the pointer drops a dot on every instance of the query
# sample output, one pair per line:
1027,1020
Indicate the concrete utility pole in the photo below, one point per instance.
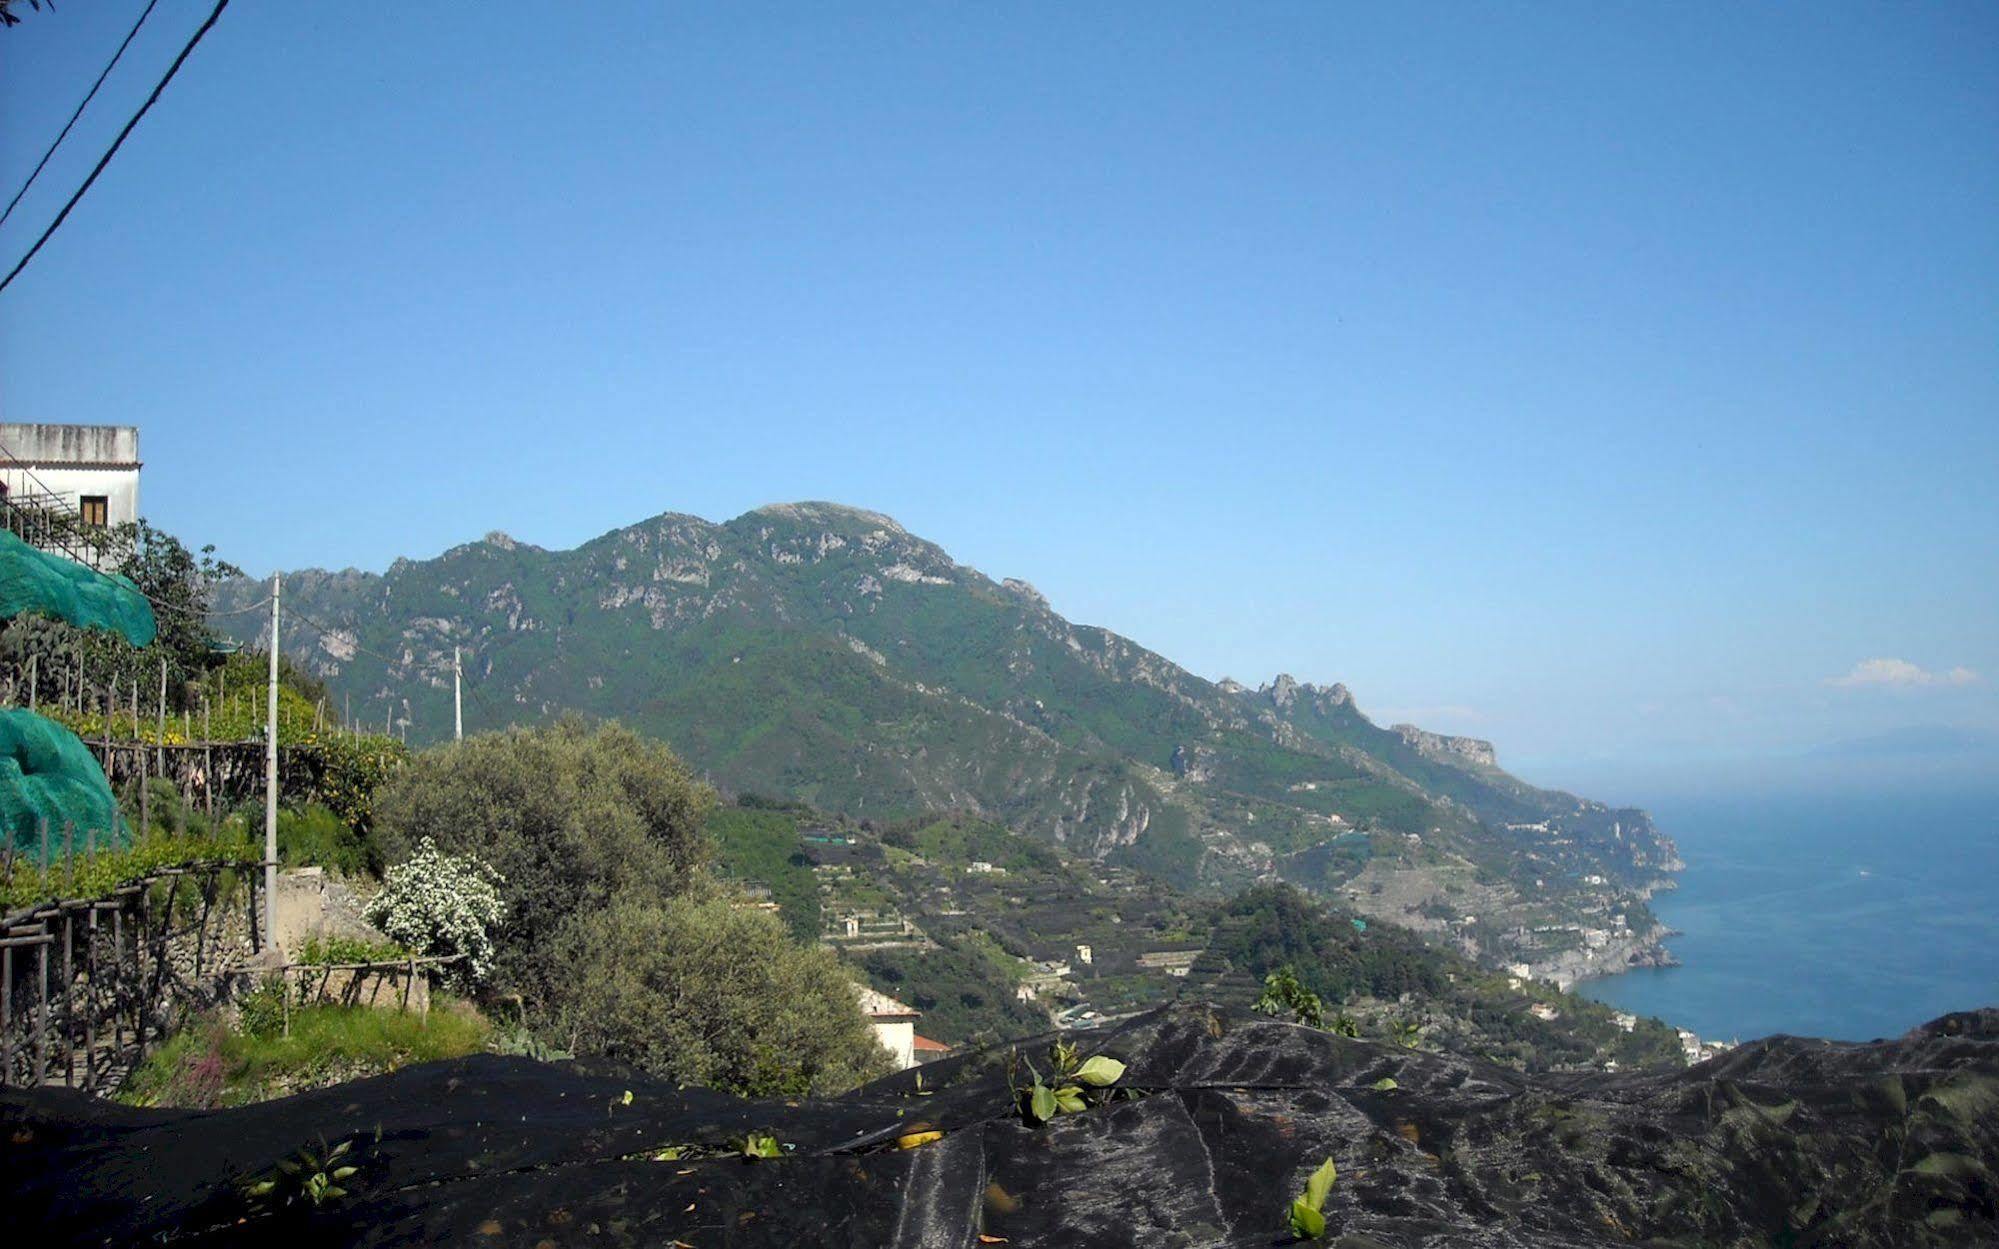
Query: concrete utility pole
457,699
271,780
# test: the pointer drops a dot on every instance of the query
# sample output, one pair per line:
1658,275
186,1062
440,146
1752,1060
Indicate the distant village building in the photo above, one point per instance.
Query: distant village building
1697,1050
754,896
1172,962
1084,955
58,479
894,1024
1544,1012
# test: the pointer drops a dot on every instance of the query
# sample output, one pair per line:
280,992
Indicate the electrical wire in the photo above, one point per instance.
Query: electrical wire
325,631
498,717
87,98
213,16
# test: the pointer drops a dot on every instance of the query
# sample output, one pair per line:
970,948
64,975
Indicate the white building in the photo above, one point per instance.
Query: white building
894,1024
87,472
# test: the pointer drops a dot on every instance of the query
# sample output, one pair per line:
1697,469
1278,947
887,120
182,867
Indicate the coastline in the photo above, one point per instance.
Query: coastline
1617,956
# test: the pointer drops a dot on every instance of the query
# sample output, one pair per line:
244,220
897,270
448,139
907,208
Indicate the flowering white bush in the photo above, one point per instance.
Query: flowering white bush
440,905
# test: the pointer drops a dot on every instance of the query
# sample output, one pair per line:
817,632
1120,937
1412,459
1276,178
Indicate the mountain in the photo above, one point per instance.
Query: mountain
824,653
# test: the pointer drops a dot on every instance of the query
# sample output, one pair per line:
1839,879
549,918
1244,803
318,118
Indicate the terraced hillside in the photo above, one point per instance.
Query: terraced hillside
826,654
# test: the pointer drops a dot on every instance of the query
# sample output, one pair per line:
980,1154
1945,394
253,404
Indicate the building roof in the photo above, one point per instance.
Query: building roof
924,1045
881,1006
70,446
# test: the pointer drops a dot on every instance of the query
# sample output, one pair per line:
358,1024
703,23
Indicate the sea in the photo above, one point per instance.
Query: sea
1842,916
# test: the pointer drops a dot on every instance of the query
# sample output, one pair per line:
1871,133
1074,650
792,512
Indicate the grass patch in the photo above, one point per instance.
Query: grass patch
208,1065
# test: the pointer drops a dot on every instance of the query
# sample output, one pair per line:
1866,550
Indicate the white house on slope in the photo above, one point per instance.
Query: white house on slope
88,472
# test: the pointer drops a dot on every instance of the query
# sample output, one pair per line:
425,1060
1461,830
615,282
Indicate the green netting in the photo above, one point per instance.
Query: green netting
50,780
32,580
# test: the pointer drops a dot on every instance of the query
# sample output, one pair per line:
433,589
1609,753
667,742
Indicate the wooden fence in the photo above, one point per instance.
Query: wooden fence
87,984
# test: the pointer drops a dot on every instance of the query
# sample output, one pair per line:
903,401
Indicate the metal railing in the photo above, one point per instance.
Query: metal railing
46,519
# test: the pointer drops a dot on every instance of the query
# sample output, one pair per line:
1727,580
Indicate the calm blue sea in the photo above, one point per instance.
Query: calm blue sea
1842,917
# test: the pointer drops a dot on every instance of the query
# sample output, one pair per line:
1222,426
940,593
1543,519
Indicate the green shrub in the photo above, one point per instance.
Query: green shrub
314,836
707,993
261,1012
567,814
1283,995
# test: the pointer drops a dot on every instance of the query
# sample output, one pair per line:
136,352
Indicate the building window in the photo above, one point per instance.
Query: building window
96,509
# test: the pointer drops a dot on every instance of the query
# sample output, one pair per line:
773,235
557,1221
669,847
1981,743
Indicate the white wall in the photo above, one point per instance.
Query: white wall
120,487
73,461
898,1037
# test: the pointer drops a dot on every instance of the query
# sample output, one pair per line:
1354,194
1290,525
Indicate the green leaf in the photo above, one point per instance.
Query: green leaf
1069,1099
1100,1071
1306,1223
626,1100
339,1150
1041,1103
263,1189
1320,1184
341,1173
1384,1084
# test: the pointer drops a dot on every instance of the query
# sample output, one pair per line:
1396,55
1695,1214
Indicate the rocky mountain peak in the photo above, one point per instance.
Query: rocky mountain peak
1283,691
1286,690
816,512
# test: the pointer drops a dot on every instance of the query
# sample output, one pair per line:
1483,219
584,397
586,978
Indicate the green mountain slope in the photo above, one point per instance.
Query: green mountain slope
824,653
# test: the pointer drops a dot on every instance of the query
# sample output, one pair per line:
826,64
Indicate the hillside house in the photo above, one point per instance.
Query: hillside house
927,1050
894,1024
57,479
1172,962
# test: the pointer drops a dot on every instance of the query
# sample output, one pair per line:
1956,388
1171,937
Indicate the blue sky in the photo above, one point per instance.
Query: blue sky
1604,381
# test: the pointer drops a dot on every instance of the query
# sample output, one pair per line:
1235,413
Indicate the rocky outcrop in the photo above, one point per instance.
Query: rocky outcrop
1284,692
1021,589
1472,750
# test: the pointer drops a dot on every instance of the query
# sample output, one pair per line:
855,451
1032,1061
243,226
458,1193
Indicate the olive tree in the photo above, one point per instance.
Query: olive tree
701,990
568,814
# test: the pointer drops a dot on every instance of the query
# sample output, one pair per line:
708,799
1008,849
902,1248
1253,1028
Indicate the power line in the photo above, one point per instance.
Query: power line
117,143
347,636
88,96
